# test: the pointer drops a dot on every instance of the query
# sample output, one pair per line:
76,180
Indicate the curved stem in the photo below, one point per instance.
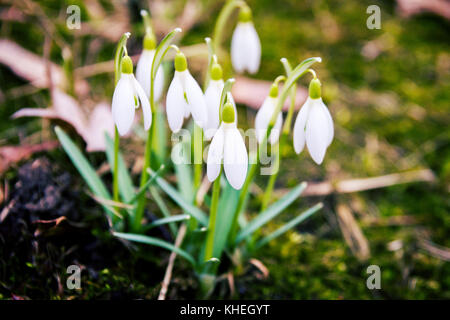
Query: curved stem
299,71
121,49
147,22
224,15
209,249
148,144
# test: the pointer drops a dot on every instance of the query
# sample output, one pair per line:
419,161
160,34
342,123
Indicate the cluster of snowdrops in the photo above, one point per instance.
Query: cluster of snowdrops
225,230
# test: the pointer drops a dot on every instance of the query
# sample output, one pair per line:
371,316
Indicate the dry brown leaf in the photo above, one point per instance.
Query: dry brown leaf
409,8
362,184
33,67
66,108
352,233
13,154
252,93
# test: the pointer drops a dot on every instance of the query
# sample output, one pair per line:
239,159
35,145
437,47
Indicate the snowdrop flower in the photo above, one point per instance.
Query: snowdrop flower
228,144
265,114
245,44
144,67
212,98
314,125
184,97
127,95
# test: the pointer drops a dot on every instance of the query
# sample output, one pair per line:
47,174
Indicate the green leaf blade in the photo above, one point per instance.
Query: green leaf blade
83,166
271,212
155,242
291,224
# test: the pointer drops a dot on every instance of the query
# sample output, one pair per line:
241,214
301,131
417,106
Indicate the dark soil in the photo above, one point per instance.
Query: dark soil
43,231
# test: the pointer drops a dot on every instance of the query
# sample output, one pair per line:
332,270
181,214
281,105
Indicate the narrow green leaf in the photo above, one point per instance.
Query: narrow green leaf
126,187
155,242
227,205
291,224
159,222
85,169
162,49
162,206
183,171
144,188
181,201
159,145
271,212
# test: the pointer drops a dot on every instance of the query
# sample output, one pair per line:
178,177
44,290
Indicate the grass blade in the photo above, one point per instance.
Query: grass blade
155,242
291,224
162,221
126,187
181,201
270,212
84,168
227,205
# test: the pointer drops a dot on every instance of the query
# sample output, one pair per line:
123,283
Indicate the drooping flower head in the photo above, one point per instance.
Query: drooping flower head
264,116
245,44
144,67
314,124
184,97
212,98
228,145
128,95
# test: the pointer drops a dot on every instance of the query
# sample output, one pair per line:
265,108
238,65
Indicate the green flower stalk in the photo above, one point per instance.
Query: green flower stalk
160,53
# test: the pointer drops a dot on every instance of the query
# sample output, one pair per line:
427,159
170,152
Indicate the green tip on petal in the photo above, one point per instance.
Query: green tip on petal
127,65
149,42
315,91
228,113
180,62
273,91
216,72
245,14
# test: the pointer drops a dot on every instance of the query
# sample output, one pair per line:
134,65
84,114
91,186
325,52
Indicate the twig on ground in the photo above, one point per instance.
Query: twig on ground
173,255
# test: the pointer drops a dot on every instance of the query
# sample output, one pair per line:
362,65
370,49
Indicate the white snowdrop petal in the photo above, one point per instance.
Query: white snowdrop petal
143,68
276,130
235,157
238,46
317,134
300,125
175,104
329,121
123,104
146,109
212,100
254,49
196,101
262,119
215,155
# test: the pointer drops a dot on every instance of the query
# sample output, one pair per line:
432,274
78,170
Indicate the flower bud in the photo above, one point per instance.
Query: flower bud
228,113
245,14
180,62
315,91
274,90
216,72
149,42
127,65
